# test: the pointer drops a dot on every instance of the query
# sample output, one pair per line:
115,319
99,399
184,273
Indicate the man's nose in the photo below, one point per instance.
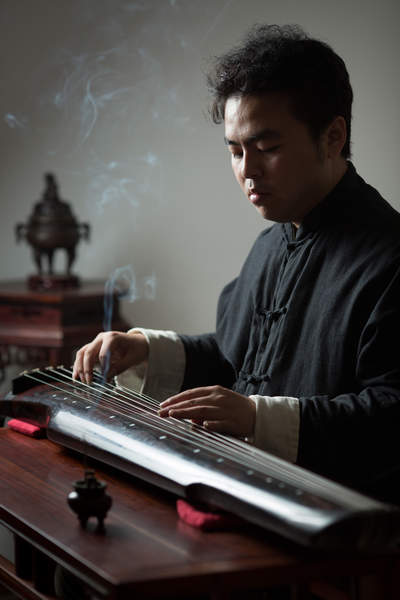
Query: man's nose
251,165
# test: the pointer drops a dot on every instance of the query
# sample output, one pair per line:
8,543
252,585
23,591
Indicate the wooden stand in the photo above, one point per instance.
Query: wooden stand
145,550
46,327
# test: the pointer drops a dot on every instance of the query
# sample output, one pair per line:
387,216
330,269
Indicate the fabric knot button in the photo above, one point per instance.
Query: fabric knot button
275,314
256,379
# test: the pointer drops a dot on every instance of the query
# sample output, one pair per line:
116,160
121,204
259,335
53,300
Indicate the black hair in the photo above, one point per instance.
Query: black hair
275,58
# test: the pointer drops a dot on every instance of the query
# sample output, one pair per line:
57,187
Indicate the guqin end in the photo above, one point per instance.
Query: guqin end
122,428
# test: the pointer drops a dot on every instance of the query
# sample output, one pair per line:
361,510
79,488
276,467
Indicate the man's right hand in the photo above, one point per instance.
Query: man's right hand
114,350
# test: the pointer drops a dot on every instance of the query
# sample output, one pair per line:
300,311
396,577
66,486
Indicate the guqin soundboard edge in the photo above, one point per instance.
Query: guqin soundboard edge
122,428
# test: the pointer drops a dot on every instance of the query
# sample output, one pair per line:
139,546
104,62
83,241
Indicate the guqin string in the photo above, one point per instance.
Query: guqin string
123,428
126,403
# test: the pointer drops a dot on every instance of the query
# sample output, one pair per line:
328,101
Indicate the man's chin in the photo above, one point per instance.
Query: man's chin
269,215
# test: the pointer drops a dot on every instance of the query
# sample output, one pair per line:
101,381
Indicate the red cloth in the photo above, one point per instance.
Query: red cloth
205,520
26,428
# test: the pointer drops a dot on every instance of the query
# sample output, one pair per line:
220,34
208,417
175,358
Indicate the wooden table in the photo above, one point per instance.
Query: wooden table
46,327
146,551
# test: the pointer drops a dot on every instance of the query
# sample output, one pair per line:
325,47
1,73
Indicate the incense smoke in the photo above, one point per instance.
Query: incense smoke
123,284
15,122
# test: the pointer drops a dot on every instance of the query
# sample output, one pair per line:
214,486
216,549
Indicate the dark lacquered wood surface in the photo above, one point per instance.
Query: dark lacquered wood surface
55,322
146,550
14,289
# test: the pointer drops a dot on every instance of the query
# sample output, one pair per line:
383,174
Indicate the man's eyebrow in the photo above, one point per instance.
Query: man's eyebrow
261,135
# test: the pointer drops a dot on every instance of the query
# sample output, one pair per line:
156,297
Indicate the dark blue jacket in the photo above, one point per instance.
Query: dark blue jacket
317,317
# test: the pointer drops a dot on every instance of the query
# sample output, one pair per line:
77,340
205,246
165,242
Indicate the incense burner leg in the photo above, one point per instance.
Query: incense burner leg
37,257
50,254
70,258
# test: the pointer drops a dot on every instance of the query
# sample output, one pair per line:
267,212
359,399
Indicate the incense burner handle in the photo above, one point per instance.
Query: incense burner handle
20,231
84,231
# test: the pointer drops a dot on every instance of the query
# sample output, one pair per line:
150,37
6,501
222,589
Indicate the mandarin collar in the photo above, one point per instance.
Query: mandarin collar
331,208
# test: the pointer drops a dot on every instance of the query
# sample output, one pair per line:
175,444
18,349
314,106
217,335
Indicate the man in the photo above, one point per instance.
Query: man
304,359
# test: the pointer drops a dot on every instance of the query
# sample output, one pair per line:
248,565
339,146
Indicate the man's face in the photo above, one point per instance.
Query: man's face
279,166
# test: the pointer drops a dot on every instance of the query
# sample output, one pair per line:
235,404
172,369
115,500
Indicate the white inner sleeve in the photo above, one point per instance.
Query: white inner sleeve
277,417
162,375
277,425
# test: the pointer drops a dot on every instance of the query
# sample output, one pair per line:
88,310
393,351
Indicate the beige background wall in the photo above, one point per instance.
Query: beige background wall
110,96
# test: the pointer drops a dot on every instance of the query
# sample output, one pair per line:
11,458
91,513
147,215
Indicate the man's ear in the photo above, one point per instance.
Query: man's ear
335,137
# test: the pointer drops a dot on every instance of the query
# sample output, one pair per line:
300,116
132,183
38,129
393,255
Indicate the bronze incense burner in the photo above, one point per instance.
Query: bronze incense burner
52,225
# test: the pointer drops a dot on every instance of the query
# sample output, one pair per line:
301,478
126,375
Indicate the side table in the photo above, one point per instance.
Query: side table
45,328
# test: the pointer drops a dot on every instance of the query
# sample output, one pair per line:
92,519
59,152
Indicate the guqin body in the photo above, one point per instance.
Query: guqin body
122,428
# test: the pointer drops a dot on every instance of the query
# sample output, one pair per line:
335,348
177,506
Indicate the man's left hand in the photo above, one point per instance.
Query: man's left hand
217,408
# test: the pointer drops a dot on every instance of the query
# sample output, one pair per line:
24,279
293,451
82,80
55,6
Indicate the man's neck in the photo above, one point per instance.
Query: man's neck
338,170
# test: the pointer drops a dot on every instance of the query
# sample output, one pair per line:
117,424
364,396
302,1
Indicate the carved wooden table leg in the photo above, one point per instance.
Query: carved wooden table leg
23,558
43,572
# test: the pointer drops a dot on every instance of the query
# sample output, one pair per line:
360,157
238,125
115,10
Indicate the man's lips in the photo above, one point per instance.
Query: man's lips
255,195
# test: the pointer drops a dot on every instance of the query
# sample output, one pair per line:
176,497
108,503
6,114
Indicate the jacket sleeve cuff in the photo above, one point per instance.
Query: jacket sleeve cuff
277,425
162,374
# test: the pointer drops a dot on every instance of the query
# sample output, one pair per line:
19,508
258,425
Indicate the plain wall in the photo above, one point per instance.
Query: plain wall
110,96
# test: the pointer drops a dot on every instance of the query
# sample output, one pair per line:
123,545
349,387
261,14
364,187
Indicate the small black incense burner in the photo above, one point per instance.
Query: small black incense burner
52,225
90,499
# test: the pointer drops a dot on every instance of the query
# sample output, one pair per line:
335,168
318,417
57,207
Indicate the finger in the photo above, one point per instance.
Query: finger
166,407
114,356
112,360
227,427
106,354
89,359
187,395
195,412
107,363
77,369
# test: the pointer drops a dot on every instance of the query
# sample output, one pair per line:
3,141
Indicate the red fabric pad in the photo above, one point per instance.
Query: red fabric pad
26,428
205,520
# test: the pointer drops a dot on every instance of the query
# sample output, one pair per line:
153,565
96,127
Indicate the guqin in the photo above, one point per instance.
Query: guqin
122,428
